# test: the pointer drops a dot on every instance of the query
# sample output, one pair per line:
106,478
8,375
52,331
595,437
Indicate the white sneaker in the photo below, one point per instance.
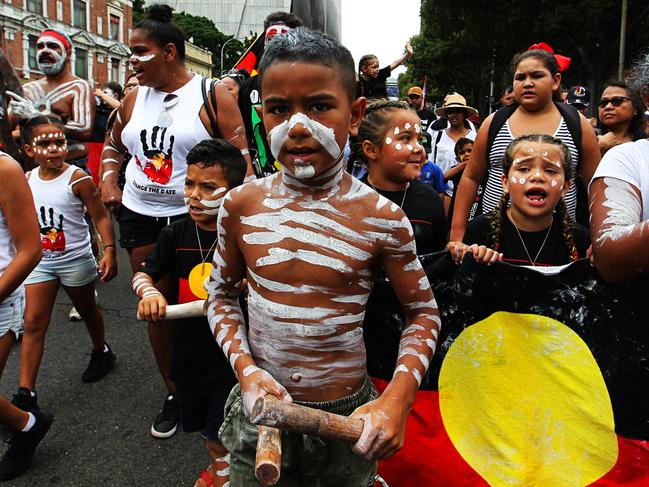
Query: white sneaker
74,314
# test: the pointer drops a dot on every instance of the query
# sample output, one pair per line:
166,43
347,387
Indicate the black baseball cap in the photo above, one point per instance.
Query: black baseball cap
579,95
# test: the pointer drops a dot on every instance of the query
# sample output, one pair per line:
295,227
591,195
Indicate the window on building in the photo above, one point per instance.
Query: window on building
100,26
79,14
81,63
114,27
31,55
59,10
114,69
35,6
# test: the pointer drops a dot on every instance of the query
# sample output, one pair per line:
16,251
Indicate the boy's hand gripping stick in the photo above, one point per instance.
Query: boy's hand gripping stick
185,310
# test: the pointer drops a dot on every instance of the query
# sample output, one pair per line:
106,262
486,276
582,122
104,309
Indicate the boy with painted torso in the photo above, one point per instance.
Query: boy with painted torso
309,241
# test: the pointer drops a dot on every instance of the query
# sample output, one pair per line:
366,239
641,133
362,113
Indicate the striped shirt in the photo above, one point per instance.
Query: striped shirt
494,189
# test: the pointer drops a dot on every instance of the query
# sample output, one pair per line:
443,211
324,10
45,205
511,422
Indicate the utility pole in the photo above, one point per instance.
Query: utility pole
620,65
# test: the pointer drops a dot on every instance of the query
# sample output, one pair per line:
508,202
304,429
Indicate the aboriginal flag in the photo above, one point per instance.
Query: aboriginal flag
540,378
250,59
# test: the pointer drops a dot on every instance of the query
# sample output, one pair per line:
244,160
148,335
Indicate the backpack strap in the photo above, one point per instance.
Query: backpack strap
209,102
437,139
500,117
573,122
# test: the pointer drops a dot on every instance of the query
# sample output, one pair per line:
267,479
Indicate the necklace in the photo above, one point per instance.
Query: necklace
164,119
200,248
403,200
547,234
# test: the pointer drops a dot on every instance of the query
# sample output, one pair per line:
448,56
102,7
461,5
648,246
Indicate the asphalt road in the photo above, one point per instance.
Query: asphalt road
100,435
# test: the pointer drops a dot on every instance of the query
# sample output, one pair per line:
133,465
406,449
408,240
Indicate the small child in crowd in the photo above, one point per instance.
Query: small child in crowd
530,226
389,139
185,249
463,150
62,195
371,79
309,241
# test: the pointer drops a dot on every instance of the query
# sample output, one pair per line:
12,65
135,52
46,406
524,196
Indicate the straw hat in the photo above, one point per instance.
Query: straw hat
455,100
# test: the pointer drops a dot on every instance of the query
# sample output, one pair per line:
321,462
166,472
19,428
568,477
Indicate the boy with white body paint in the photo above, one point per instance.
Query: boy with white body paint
309,241
184,249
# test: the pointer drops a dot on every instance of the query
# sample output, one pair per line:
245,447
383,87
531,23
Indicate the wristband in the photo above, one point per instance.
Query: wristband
245,151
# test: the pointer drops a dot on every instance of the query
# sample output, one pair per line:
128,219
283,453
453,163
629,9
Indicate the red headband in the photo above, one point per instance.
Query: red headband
58,36
562,61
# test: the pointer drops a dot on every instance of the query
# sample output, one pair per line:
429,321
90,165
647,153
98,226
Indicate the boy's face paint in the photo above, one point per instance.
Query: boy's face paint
400,155
536,180
49,147
308,116
205,188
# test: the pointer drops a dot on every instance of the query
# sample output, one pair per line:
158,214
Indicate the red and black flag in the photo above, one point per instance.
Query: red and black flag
250,59
538,378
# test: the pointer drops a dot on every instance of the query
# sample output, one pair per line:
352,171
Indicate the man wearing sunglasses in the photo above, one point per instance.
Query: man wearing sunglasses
416,102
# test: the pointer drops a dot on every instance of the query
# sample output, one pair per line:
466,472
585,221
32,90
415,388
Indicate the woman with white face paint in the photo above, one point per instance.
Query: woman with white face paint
158,123
619,203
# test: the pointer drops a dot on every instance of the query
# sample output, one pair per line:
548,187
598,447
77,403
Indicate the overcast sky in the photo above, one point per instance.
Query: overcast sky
379,27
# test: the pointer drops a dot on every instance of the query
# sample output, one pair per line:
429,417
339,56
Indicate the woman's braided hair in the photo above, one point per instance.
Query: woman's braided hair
373,125
499,213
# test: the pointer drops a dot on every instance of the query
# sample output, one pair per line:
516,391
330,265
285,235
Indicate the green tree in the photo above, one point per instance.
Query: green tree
202,32
464,45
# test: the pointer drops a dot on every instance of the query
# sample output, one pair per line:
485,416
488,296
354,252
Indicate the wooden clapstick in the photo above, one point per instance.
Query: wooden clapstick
269,455
270,411
185,310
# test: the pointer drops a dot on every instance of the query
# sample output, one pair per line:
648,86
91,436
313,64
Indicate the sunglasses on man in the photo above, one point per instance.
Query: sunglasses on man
616,101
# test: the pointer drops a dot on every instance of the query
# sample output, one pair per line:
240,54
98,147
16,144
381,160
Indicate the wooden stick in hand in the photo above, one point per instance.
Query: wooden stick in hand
270,411
269,455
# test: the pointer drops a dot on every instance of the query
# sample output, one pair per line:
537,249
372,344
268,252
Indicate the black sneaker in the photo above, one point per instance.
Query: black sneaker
22,446
24,400
100,364
165,423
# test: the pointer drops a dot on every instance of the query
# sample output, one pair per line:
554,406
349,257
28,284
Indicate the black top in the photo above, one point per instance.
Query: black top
554,252
196,357
374,87
427,118
425,210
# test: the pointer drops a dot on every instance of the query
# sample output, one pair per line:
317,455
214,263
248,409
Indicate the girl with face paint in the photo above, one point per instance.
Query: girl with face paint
63,194
389,142
530,226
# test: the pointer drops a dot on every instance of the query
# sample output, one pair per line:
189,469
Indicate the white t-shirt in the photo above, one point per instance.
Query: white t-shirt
629,162
446,151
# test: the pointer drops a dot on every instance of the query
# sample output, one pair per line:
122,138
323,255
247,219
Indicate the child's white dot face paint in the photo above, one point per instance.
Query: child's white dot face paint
417,128
407,126
522,180
388,140
396,131
398,146
410,147
553,183
141,59
514,181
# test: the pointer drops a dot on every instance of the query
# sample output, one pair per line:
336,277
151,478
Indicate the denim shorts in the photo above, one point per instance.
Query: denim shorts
306,460
11,315
73,273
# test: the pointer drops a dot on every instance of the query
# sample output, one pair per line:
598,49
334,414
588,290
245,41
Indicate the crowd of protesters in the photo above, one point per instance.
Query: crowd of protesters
536,183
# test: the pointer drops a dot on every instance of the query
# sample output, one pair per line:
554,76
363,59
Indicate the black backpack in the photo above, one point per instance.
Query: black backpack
573,123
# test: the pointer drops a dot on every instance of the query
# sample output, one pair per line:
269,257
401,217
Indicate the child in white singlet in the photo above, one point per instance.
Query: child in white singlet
62,194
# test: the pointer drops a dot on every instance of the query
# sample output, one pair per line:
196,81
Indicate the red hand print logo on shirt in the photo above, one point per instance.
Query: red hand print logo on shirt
158,164
52,237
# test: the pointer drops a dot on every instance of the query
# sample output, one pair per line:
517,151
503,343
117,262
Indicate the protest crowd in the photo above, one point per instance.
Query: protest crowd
295,234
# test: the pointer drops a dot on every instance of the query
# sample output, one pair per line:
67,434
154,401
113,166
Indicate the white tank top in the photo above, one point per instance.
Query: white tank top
64,232
7,248
156,174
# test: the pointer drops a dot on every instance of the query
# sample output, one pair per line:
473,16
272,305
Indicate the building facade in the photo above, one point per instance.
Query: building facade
99,30
236,18
198,60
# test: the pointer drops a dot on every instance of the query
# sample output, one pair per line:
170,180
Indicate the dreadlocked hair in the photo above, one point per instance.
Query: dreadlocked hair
373,126
561,212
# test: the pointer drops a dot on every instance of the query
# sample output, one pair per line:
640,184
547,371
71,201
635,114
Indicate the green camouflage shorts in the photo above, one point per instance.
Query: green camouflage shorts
306,460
